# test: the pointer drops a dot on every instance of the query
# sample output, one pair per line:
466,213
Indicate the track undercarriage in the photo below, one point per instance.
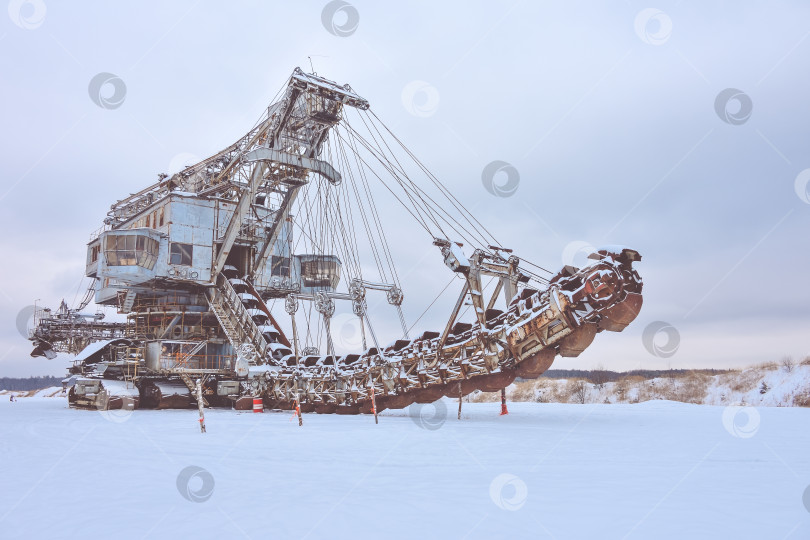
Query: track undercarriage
520,343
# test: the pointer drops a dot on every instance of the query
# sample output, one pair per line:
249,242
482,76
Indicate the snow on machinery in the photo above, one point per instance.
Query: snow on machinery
198,260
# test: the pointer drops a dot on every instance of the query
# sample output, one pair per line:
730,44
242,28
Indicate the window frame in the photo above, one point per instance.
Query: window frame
184,251
131,250
280,266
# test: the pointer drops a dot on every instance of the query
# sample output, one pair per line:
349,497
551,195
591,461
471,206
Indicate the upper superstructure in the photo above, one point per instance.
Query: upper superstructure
232,208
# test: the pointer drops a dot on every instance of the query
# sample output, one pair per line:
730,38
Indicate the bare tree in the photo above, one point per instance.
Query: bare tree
580,392
599,376
621,388
788,363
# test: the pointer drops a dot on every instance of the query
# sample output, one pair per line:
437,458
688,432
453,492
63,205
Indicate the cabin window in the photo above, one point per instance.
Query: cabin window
131,250
161,217
280,266
180,254
320,271
94,253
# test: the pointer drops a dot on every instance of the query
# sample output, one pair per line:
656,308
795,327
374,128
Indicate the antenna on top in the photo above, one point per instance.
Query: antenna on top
311,65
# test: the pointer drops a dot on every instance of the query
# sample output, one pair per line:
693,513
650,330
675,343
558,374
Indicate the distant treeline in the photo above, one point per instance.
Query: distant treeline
603,376
31,383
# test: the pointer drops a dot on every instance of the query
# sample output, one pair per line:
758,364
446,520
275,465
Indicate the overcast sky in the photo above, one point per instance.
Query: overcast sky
608,112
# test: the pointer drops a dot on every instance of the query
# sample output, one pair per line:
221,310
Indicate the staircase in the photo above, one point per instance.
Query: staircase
192,386
129,301
242,332
181,360
263,307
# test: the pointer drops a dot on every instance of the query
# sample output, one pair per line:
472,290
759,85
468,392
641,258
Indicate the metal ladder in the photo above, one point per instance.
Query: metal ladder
242,332
131,371
129,301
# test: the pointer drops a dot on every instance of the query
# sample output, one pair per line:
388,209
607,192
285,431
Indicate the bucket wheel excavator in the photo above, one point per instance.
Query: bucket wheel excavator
229,275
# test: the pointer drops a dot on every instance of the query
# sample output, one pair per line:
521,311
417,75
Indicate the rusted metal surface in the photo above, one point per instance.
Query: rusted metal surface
560,320
195,259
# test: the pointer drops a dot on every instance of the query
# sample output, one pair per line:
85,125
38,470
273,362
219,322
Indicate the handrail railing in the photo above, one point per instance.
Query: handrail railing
179,361
244,322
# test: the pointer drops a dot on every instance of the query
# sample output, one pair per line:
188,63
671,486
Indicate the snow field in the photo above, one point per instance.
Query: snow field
650,470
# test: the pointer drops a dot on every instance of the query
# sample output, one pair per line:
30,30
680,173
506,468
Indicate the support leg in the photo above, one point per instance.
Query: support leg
297,397
373,400
200,406
459,400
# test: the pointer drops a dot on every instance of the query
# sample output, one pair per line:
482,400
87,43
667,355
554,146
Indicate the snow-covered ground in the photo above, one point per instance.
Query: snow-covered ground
651,470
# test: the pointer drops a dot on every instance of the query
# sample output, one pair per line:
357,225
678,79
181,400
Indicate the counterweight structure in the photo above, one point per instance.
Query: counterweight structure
207,263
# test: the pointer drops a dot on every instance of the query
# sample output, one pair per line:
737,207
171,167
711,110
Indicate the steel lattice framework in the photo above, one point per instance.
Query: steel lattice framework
211,320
